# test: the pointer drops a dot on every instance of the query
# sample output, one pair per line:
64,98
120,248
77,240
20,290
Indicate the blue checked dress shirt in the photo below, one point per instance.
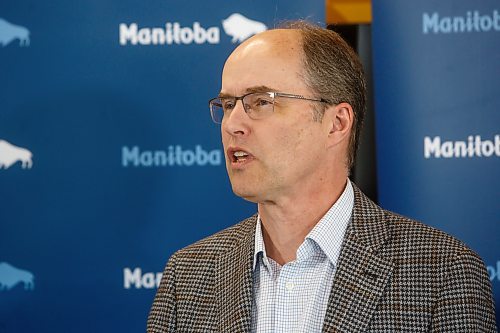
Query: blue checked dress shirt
294,297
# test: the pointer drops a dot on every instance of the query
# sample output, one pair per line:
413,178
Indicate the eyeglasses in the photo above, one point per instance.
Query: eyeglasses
257,105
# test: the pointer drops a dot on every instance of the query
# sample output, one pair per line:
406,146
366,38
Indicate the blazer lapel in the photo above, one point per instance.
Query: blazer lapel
362,273
234,283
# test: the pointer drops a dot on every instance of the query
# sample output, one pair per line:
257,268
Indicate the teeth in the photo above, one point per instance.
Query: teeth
240,154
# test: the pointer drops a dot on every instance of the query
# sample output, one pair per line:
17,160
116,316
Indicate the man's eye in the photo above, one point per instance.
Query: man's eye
227,104
263,102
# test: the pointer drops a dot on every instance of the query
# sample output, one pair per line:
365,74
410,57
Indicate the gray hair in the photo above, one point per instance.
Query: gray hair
333,72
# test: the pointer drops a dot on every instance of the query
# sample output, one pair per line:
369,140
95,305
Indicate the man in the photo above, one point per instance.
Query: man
319,256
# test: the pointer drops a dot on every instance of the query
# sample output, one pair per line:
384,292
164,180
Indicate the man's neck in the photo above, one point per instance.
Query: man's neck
285,224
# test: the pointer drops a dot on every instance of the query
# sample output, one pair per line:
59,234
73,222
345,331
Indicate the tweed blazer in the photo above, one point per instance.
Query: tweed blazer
393,275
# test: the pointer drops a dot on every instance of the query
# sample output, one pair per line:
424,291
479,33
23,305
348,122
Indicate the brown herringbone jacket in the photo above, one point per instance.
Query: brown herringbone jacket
393,275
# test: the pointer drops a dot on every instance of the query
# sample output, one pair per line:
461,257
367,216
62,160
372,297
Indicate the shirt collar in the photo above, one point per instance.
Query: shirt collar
259,245
328,233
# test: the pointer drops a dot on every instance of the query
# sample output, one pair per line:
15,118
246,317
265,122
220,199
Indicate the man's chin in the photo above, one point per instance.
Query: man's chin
246,194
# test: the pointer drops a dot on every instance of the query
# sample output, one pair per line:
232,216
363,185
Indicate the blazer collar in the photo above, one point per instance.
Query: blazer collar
233,281
362,272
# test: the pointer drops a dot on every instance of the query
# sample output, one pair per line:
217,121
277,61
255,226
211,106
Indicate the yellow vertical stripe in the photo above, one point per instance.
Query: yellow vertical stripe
348,11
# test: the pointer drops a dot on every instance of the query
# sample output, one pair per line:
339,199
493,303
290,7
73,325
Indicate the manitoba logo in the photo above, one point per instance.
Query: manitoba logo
236,26
171,33
11,276
240,28
471,21
137,279
10,32
474,146
172,156
10,154
494,271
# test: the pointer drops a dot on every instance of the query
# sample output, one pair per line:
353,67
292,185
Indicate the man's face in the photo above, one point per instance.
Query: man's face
285,151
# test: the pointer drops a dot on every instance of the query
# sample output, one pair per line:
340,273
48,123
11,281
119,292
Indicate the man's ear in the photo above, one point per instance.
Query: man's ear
339,118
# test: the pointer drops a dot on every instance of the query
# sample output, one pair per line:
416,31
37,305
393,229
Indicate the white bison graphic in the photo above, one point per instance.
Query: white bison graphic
10,154
240,28
10,32
10,276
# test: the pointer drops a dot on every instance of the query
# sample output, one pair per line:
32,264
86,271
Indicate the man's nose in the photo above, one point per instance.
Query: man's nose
237,121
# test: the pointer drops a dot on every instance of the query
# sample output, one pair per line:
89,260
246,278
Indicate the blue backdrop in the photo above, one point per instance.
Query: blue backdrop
437,103
109,161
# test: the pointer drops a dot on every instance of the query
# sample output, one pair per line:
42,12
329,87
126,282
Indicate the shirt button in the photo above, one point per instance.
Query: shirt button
289,285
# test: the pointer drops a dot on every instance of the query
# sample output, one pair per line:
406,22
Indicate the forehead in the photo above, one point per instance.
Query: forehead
272,59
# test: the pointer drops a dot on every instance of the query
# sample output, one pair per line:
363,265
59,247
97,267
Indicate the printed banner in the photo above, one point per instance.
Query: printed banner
109,161
437,79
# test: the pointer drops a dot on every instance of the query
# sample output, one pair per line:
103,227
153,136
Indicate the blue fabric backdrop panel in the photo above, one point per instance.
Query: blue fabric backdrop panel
109,161
437,97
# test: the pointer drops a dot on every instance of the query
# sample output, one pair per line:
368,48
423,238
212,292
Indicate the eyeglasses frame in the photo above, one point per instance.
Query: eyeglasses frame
272,94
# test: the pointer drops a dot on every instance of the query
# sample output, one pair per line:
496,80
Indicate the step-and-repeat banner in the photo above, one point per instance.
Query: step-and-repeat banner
109,161
437,98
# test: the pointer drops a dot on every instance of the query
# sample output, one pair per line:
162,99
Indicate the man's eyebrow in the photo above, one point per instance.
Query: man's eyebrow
256,89
260,89
224,95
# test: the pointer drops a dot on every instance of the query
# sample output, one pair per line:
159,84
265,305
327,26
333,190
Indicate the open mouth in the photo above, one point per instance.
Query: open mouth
238,156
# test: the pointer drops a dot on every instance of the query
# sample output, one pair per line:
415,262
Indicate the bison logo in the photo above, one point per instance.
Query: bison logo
11,276
10,32
240,28
10,154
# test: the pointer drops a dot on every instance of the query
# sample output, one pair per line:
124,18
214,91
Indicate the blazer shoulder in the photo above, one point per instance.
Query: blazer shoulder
222,241
421,236
375,226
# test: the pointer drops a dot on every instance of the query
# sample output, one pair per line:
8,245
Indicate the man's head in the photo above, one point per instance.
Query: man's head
304,141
